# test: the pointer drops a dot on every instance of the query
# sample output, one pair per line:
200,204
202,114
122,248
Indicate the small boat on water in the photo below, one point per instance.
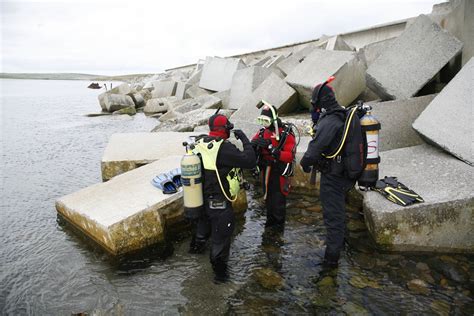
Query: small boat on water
94,85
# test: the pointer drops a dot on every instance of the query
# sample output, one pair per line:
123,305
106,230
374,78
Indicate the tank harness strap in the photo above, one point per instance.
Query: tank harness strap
347,126
209,152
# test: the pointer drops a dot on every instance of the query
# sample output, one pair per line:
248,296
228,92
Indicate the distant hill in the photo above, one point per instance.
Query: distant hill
71,76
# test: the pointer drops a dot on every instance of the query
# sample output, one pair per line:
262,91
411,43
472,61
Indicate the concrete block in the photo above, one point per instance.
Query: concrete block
181,88
137,99
372,51
274,61
188,120
159,105
260,61
195,91
101,98
127,151
225,98
402,70
337,43
195,78
115,102
126,213
396,118
447,121
201,102
273,90
244,82
166,88
290,63
443,223
217,73
347,67
124,88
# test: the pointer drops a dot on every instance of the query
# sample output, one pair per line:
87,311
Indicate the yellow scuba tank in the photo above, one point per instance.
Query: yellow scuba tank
191,178
371,127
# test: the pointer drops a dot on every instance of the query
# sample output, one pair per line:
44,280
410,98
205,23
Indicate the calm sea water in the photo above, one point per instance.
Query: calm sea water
50,149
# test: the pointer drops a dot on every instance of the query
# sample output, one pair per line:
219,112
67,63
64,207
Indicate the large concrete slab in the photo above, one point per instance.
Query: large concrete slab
347,67
273,90
127,151
201,102
115,102
217,73
159,105
447,121
126,213
244,82
372,51
336,43
195,91
443,223
165,88
289,64
181,88
396,118
412,60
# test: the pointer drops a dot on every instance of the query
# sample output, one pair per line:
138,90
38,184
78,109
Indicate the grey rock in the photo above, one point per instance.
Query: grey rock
137,99
396,118
456,103
347,67
128,111
412,60
443,223
124,88
217,73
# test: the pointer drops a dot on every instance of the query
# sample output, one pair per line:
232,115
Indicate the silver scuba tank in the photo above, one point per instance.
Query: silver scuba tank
191,178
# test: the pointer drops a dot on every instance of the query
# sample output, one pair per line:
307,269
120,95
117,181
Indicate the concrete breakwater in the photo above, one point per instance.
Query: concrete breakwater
417,73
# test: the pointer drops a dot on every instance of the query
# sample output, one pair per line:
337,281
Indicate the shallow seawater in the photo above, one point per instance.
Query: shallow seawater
49,149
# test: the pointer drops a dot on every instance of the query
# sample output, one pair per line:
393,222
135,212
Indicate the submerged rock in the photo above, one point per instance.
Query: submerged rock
361,282
418,286
268,279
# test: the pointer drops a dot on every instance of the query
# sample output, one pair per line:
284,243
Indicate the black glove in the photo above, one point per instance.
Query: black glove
275,153
239,134
306,169
261,142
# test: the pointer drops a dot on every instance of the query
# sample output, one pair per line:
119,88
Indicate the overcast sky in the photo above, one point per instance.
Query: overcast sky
138,36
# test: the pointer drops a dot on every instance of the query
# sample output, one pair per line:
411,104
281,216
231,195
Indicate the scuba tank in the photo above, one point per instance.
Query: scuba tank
191,178
370,126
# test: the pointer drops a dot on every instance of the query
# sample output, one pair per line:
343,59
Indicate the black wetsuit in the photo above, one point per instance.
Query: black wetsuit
218,220
334,185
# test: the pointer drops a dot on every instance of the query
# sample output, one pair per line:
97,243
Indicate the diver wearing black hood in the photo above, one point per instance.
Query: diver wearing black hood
328,117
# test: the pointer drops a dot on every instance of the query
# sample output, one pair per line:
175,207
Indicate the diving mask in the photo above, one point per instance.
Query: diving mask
263,120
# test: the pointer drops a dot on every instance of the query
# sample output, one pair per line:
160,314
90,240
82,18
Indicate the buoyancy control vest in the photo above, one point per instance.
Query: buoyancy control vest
208,149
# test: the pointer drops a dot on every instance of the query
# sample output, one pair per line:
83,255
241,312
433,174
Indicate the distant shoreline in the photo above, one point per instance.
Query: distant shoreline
71,76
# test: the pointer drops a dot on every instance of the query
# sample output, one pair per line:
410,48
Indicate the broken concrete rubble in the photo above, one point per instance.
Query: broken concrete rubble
402,70
190,119
124,88
335,43
347,67
244,82
396,118
443,223
217,73
447,121
137,99
273,90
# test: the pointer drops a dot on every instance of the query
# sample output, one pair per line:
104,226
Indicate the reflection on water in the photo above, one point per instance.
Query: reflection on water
50,149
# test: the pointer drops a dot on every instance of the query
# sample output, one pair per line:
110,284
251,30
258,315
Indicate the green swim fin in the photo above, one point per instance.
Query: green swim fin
397,192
